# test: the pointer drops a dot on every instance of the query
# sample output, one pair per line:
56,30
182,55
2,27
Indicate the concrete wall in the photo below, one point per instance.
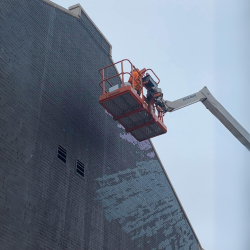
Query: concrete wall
49,62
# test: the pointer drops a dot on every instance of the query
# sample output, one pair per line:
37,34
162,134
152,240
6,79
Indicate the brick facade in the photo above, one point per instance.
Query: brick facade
49,62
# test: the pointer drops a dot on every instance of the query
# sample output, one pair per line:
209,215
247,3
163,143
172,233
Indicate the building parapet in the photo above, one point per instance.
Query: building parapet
77,11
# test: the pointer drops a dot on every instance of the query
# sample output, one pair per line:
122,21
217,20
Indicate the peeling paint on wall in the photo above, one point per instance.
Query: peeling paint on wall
144,145
125,197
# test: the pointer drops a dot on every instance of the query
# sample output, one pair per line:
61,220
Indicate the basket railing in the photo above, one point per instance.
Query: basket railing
130,74
121,75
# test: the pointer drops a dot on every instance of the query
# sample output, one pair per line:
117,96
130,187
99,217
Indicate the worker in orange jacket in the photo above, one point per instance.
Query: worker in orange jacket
137,81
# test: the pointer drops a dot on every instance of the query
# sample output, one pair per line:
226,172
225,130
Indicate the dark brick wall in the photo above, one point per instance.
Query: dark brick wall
49,62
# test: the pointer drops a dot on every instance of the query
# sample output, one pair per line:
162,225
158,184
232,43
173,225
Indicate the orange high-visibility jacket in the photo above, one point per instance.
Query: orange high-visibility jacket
137,84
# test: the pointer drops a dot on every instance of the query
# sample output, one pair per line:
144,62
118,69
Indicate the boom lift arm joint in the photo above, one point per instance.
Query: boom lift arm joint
212,105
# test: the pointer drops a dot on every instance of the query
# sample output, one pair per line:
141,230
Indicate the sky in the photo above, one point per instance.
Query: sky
189,45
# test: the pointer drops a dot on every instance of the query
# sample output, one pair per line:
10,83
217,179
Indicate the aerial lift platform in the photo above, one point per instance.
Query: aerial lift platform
142,116
135,113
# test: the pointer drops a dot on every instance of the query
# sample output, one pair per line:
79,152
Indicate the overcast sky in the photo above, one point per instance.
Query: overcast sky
191,44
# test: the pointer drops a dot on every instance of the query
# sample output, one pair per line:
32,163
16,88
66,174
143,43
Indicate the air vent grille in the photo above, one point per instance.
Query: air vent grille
62,153
80,168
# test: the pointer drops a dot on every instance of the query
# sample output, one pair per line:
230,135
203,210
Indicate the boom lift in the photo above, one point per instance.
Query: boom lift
137,113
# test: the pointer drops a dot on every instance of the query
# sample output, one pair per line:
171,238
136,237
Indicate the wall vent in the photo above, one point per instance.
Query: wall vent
80,168
62,153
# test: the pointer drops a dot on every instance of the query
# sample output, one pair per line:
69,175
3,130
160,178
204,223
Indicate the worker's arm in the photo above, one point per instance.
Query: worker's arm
142,72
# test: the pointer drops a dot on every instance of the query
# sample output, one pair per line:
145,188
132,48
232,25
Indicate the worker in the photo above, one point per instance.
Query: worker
137,81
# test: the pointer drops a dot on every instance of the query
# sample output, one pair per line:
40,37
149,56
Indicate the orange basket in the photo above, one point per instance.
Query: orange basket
133,111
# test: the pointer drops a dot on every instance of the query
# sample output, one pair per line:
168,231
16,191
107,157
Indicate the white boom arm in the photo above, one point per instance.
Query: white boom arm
216,109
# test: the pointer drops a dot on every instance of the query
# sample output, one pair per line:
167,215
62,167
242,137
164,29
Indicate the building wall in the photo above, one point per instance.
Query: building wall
49,62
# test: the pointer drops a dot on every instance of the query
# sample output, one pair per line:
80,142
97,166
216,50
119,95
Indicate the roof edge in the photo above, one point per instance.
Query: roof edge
75,11
200,248
59,7
78,8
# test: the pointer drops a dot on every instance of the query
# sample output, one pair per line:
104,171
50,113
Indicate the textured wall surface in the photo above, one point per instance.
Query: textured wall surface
49,62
